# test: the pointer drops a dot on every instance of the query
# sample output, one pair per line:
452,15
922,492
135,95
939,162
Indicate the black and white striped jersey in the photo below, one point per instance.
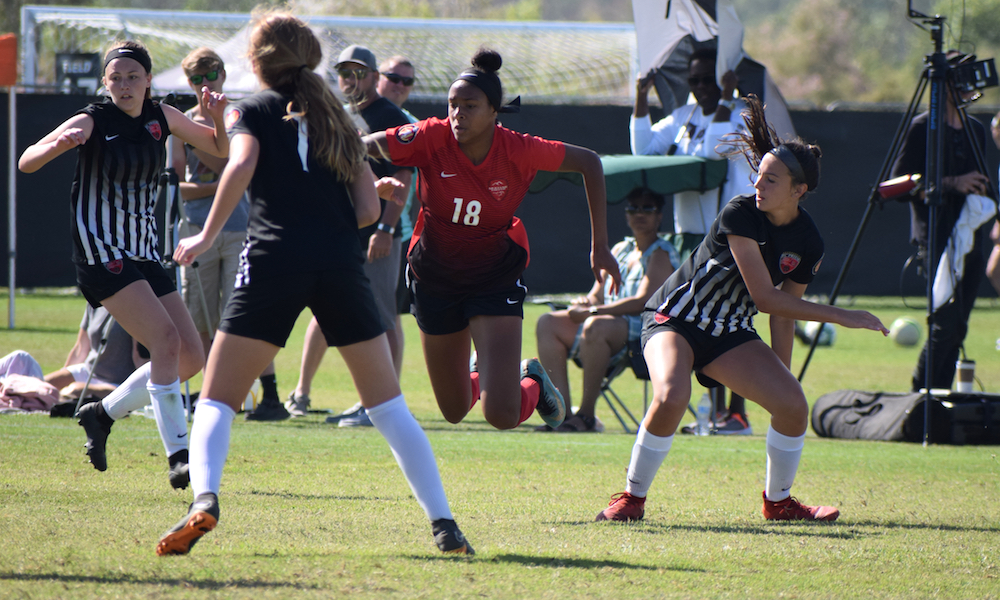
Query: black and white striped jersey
115,184
708,290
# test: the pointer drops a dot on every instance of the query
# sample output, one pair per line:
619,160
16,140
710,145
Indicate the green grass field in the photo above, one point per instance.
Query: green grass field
313,511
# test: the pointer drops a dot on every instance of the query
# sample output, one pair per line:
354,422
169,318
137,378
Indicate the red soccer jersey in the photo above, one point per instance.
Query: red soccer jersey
461,242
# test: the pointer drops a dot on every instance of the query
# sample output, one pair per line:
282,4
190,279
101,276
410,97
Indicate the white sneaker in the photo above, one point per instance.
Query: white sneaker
359,419
350,412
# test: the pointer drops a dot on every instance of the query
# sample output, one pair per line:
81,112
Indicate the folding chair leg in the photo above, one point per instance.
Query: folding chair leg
100,350
605,392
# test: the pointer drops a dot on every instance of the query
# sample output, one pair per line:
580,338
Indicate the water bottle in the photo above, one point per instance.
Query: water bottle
704,415
252,397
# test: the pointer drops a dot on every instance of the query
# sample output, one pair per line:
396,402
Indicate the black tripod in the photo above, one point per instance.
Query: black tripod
938,75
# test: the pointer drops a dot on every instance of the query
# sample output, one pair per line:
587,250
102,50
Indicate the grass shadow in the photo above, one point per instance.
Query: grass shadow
126,579
556,562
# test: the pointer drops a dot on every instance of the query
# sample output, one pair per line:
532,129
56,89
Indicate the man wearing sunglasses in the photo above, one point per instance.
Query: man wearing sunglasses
358,79
396,78
696,129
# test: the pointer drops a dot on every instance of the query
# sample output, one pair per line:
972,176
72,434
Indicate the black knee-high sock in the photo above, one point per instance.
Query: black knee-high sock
269,387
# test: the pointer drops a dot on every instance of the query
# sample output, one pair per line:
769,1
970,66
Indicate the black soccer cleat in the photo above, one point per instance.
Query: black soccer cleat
450,539
269,410
202,517
178,473
97,435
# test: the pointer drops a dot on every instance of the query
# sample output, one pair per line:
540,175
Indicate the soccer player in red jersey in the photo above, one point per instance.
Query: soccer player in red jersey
468,250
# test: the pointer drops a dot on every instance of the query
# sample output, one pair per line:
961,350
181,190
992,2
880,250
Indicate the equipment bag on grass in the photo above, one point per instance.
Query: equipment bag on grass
955,418
851,414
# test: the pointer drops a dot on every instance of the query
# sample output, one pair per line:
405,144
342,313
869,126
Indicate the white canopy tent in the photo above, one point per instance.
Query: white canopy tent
668,31
239,76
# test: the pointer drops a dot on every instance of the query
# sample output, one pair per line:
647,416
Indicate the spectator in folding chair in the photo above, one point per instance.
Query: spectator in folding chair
121,356
595,330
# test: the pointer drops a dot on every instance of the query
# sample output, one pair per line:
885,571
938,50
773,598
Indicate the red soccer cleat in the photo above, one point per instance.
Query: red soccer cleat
623,507
791,509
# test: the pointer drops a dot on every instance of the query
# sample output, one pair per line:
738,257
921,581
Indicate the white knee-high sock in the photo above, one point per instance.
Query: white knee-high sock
413,452
130,395
783,455
170,418
648,454
213,421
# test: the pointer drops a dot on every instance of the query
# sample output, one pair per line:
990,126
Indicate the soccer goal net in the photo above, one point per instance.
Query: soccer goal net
544,62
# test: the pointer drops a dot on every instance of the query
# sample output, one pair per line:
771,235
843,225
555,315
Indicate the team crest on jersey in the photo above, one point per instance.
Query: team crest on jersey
818,263
114,266
233,117
498,187
660,318
788,262
406,133
153,127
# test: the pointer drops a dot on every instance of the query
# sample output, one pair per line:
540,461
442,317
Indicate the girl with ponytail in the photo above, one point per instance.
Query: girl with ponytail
310,189
759,256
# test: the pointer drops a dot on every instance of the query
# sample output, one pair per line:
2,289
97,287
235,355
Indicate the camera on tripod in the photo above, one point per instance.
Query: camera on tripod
974,76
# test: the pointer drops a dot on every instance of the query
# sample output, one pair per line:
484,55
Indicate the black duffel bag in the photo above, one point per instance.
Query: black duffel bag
955,418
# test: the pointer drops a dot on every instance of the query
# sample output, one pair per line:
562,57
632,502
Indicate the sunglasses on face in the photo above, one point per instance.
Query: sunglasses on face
356,73
703,80
210,76
648,209
407,81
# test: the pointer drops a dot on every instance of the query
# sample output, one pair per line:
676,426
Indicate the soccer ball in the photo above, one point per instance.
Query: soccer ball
826,331
905,331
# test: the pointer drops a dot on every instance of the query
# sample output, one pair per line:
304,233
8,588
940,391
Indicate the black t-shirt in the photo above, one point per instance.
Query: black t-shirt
380,115
958,159
708,290
301,216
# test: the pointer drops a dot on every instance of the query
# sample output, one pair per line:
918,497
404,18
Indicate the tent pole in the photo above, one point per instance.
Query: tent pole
11,200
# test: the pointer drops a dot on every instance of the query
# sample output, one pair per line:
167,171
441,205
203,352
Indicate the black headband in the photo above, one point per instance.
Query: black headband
785,155
490,84
137,54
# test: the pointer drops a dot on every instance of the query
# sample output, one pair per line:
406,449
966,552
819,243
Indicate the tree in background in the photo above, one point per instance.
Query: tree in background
818,51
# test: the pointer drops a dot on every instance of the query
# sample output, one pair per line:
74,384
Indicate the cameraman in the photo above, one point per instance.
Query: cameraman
961,183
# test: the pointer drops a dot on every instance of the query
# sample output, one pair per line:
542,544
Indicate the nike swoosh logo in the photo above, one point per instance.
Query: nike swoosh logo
447,175
108,138
182,435
509,301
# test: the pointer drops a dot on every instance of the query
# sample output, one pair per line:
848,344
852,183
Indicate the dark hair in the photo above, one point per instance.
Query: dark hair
703,54
640,192
133,49
284,52
760,138
483,75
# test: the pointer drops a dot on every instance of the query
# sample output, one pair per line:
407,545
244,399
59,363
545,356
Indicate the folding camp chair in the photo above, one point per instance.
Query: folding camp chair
630,358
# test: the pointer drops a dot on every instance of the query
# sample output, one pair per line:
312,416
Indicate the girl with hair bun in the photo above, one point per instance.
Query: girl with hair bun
310,189
760,254
468,250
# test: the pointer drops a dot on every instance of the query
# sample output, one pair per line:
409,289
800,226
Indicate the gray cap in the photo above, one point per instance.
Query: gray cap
358,54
